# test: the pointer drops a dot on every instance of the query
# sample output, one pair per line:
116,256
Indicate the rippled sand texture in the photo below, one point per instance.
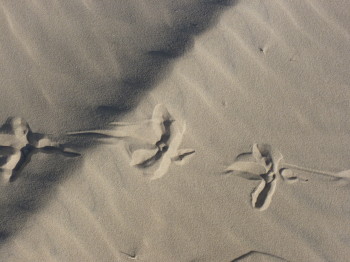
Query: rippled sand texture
235,74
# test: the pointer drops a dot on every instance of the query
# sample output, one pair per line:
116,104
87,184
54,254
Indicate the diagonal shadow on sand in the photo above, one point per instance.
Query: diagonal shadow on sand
255,256
141,69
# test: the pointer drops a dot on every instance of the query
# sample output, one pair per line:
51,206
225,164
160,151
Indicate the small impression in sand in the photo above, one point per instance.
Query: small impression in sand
18,143
152,144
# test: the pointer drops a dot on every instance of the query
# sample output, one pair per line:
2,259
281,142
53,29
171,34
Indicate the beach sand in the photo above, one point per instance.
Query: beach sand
192,131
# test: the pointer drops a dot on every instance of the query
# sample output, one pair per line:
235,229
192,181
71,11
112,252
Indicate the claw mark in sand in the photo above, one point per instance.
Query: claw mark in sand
18,143
266,164
152,142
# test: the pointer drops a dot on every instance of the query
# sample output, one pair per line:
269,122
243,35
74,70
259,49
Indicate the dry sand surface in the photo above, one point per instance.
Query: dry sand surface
180,131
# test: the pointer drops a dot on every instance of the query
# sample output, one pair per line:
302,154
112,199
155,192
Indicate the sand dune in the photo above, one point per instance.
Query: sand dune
202,130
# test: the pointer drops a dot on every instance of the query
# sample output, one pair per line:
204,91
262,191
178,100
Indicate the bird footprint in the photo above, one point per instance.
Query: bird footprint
166,149
267,165
18,142
262,163
152,141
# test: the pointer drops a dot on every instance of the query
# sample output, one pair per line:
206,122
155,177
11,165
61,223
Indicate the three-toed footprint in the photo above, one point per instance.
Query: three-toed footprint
18,142
153,144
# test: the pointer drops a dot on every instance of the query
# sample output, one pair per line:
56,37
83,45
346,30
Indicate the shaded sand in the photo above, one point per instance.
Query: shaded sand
265,72
77,65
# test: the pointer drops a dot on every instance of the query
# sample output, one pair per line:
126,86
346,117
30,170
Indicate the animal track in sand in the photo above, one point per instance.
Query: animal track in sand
173,153
266,164
152,142
18,143
262,163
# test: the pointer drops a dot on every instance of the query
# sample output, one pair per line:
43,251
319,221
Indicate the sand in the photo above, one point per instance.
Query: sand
162,130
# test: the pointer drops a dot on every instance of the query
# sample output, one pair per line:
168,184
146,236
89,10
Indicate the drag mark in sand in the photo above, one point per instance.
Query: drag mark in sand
151,143
18,143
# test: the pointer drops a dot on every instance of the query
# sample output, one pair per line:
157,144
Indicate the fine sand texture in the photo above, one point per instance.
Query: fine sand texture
174,131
